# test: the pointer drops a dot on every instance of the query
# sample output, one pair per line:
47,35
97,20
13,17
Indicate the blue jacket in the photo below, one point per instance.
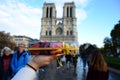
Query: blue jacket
17,64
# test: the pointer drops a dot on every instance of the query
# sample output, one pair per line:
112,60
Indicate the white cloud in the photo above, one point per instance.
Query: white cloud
77,2
20,19
4,14
81,15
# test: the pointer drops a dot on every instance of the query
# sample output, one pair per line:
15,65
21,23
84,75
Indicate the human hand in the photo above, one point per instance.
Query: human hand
41,60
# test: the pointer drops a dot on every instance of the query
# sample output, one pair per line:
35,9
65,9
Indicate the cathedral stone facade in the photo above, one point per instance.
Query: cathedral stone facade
58,29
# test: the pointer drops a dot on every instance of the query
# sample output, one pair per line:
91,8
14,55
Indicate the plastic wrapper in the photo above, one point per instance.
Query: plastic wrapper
52,48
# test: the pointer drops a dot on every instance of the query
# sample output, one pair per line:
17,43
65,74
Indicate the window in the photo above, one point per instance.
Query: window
70,11
67,33
71,32
46,33
67,11
50,33
51,12
59,31
47,12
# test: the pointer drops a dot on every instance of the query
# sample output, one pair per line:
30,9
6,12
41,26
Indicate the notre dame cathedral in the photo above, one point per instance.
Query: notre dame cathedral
58,29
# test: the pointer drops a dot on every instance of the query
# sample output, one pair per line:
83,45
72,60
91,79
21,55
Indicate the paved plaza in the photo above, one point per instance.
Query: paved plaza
52,73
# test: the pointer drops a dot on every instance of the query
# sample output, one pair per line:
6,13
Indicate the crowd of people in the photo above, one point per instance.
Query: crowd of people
67,61
19,65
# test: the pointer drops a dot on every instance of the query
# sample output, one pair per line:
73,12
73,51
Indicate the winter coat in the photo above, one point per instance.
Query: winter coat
0,68
5,69
18,63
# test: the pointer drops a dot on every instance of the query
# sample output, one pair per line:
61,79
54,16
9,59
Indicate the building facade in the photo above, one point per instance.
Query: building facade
58,29
22,39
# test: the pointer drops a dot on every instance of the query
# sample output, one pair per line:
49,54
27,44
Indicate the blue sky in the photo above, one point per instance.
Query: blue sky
95,18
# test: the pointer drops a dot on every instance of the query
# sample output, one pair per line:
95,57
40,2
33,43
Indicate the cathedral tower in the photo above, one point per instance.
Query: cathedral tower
58,29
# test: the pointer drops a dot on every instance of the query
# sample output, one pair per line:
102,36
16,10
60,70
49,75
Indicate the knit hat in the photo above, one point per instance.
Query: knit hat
5,49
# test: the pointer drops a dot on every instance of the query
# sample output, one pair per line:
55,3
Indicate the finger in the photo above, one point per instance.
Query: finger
53,57
58,55
46,62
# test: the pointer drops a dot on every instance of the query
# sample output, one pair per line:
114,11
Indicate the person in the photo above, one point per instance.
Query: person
5,61
29,71
98,69
68,60
63,61
0,68
84,55
75,57
20,59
